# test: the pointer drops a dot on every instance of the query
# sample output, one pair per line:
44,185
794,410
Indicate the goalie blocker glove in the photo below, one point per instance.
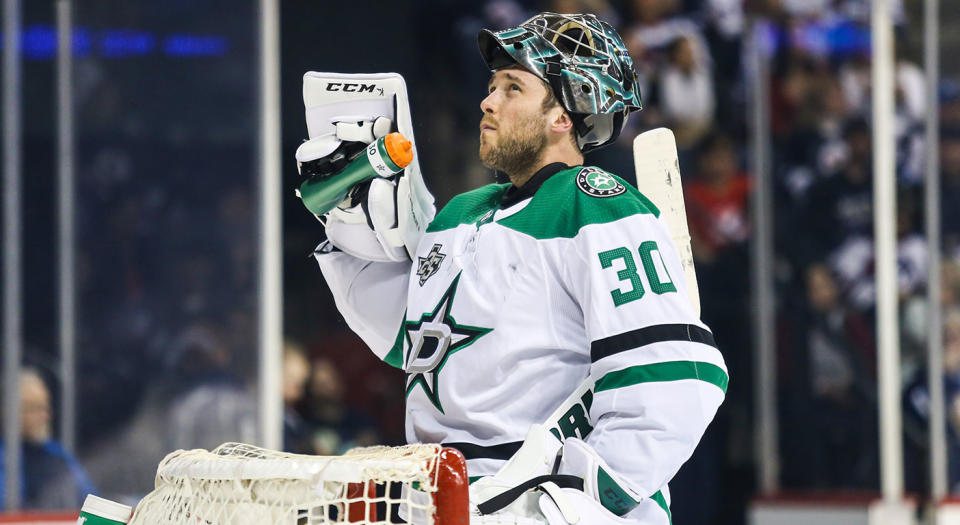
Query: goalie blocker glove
564,483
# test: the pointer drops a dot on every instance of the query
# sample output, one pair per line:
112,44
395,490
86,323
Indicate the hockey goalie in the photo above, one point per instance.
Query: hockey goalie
549,326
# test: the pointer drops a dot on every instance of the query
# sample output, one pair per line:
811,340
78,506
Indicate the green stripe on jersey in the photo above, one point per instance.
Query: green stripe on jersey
668,371
559,209
658,497
394,357
468,208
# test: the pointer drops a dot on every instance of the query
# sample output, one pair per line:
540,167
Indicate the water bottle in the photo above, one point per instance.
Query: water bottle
99,511
384,157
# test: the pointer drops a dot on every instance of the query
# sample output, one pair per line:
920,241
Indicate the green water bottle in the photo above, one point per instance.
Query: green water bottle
99,511
384,157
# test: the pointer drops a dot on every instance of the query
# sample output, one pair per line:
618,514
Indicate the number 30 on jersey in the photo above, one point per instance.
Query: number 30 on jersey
653,266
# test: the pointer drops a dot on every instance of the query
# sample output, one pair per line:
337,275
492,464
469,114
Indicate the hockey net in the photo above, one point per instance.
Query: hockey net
237,484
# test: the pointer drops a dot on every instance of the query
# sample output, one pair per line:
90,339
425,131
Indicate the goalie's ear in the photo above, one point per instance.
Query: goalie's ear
559,120
561,126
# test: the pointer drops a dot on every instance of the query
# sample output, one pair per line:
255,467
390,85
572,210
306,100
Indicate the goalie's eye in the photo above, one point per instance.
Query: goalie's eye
511,87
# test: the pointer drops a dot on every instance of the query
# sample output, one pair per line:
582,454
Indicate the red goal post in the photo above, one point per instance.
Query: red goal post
40,518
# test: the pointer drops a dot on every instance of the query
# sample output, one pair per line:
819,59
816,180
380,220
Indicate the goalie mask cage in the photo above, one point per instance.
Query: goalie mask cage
237,484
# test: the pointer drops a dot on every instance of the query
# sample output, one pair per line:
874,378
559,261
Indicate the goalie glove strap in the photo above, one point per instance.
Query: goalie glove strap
502,500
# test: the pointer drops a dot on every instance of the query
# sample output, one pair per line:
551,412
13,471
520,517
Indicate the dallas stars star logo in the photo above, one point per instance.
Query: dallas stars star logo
427,266
597,183
432,340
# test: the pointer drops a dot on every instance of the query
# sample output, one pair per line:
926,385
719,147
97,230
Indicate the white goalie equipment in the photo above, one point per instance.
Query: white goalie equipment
361,107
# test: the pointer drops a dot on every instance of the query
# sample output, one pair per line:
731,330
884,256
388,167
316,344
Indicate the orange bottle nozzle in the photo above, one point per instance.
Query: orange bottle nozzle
399,149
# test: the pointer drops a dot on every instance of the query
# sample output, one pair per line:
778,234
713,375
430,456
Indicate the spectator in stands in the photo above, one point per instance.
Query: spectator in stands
908,77
830,417
657,25
724,24
716,200
337,426
950,103
726,17
211,391
950,293
296,371
686,93
814,146
50,477
950,190
601,8
911,107
914,327
199,383
853,261
654,31
917,405
841,205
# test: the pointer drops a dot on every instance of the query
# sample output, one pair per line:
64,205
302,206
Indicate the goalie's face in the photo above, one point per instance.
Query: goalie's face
515,128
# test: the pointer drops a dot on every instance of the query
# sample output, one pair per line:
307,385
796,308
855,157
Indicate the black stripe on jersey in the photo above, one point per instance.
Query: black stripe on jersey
648,335
501,451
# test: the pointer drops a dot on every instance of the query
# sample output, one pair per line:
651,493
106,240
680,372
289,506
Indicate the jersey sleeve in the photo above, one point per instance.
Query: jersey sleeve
371,296
659,375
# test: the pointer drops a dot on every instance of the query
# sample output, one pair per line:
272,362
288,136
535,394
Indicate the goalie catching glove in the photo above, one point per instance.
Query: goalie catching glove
553,483
379,219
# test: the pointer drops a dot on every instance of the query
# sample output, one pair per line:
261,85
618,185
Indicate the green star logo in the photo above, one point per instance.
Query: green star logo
598,183
601,181
431,342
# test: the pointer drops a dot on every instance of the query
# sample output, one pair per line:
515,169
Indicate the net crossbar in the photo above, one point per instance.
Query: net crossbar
238,484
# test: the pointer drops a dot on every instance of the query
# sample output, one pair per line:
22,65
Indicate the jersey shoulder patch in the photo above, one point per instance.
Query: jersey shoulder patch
468,208
575,198
597,183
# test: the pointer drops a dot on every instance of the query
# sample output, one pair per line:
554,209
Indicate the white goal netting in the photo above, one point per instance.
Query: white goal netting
238,484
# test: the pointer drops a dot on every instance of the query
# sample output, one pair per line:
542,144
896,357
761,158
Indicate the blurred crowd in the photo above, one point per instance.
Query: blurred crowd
167,277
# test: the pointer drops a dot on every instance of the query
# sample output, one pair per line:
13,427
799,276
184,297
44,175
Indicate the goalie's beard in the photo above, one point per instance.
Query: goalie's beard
518,151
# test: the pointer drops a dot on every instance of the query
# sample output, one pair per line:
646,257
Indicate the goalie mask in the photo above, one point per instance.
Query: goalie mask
584,61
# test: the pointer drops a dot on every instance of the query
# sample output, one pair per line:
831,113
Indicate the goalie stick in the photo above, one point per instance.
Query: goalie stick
658,178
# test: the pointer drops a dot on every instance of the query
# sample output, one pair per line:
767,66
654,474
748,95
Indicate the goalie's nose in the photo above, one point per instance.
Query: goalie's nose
486,105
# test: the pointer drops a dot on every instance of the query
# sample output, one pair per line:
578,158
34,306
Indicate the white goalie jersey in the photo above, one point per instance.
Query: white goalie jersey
518,295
